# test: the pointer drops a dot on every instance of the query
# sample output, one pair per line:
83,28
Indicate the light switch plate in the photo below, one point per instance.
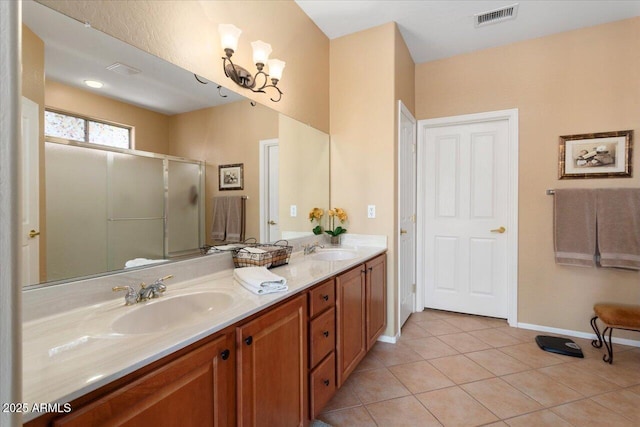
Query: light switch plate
293,211
371,211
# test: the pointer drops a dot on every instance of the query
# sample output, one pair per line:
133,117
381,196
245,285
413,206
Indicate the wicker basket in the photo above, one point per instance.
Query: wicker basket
276,254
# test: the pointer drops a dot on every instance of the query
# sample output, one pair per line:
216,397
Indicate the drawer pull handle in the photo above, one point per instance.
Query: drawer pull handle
248,340
325,297
225,354
326,334
326,382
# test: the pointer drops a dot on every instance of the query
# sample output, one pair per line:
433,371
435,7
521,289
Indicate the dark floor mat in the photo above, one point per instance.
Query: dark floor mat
559,345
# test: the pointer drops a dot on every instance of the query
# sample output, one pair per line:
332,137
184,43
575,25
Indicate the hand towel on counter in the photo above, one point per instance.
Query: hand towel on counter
259,280
618,211
574,227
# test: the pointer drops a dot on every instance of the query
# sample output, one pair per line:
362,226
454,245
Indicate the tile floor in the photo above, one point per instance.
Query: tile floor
449,369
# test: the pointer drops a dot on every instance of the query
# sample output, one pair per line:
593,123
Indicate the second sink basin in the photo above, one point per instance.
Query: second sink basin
168,312
331,254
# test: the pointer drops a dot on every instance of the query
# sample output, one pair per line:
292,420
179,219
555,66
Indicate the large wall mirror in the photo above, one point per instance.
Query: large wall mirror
164,188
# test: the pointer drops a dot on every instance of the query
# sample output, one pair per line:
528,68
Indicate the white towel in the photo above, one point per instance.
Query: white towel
137,262
259,280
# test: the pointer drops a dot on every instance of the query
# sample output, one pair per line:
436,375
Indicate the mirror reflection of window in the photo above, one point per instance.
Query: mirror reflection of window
81,129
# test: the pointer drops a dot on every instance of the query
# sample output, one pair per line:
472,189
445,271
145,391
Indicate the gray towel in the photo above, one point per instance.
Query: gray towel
235,219
574,227
618,211
219,226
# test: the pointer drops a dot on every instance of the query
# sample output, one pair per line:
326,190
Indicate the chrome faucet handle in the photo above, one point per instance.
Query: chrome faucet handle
159,285
131,297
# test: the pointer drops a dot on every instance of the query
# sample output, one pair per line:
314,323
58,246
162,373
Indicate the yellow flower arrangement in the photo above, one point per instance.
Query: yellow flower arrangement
315,215
342,216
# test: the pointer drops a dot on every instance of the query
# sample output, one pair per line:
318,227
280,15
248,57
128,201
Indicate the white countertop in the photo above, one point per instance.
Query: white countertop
72,353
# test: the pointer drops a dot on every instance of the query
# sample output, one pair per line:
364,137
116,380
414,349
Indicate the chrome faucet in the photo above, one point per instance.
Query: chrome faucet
154,290
309,249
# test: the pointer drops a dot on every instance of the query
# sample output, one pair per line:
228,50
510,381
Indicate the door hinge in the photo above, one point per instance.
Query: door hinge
413,147
413,218
413,288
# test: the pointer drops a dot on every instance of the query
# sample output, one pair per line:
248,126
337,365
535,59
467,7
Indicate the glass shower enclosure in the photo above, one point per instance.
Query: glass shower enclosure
107,209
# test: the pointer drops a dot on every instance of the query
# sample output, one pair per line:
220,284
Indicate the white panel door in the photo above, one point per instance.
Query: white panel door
273,198
407,213
269,192
30,203
466,213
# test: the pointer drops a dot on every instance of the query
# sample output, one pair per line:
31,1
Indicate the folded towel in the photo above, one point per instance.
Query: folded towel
619,227
254,250
259,280
574,227
137,262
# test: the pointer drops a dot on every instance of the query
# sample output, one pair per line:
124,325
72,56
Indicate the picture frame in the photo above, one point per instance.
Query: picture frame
231,177
596,155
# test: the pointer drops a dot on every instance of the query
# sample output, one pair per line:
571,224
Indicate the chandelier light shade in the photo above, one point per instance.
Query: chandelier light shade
276,67
229,35
261,52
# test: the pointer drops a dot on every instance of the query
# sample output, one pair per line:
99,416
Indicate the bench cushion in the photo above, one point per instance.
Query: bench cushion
619,315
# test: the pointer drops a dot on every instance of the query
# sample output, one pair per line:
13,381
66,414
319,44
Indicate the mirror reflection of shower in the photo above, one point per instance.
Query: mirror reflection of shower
109,210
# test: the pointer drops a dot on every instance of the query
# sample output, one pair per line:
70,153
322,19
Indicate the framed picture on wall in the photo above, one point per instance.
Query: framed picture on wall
230,177
596,155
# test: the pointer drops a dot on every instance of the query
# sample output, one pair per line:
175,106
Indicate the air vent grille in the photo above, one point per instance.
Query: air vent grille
124,69
496,15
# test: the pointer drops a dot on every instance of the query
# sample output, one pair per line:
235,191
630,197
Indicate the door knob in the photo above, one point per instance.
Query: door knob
403,231
499,230
272,222
33,233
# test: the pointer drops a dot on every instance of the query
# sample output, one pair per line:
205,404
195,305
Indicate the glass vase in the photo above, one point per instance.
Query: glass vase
335,240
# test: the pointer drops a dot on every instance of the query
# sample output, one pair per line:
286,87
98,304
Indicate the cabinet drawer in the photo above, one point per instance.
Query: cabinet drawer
322,333
323,384
321,298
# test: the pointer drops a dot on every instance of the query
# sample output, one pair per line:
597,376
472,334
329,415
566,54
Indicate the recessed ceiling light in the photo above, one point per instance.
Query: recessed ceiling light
94,84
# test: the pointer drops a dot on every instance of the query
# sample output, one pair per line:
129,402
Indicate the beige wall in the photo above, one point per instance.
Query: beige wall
303,155
151,129
186,33
33,88
364,134
581,81
219,136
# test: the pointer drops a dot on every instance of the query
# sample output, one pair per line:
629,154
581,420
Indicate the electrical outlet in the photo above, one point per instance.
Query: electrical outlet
371,211
293,210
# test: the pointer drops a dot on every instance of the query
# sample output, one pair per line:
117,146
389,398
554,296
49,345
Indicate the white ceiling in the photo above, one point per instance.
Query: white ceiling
75,52
440,29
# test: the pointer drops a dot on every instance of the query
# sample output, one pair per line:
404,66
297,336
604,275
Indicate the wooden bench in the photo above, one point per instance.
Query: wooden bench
614,316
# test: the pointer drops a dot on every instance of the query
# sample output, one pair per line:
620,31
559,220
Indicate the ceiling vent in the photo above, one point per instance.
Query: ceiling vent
496,15
124,69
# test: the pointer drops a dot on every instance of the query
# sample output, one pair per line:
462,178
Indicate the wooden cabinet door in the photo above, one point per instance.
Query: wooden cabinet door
194,390
376,298
351,344
272,367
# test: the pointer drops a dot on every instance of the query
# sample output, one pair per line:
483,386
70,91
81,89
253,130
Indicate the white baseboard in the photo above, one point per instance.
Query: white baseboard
388,339
577,334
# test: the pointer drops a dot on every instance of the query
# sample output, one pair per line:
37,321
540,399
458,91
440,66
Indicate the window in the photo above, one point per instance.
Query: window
62,125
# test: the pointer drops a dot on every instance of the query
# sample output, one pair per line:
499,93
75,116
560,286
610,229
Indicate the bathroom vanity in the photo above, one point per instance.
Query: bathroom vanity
272,360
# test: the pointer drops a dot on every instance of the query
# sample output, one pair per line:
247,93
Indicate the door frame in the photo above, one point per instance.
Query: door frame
403,110
264,184
511,115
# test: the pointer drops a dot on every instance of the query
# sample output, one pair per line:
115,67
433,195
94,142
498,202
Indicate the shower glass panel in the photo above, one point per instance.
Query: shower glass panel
76,211
184,203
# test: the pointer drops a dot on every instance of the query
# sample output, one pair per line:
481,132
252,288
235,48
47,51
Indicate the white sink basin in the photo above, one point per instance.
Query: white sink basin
168,312
334,254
